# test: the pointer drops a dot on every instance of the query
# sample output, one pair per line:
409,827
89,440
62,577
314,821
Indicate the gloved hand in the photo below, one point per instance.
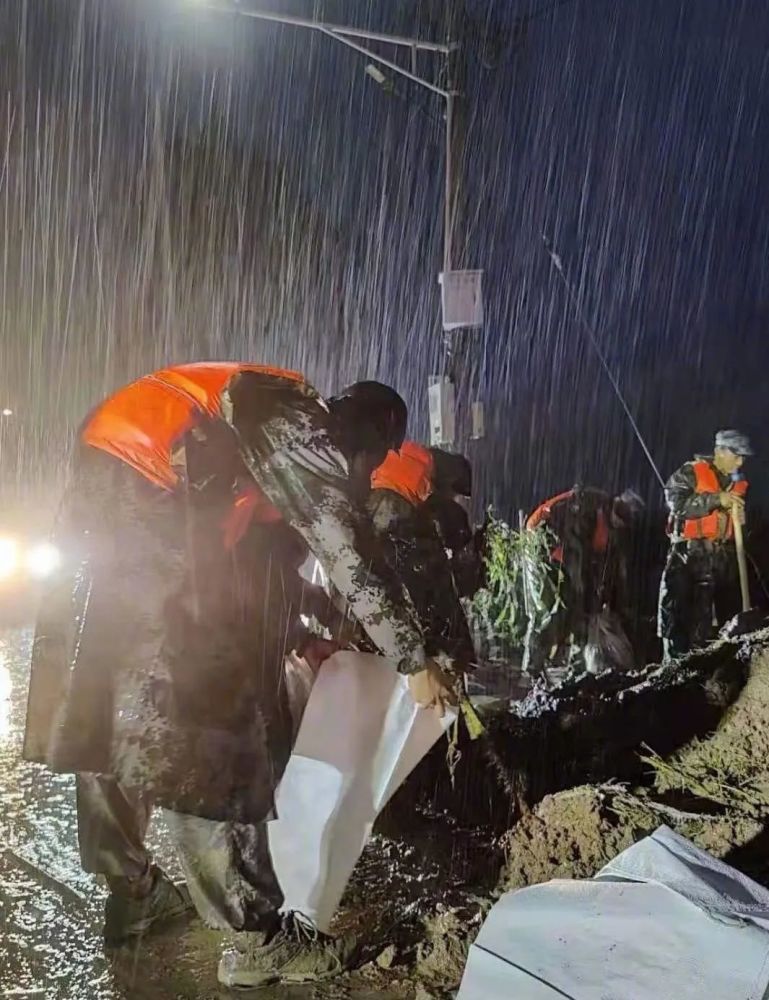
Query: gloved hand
432,688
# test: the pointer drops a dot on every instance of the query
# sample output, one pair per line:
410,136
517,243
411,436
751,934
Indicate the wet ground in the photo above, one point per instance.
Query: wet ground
50,911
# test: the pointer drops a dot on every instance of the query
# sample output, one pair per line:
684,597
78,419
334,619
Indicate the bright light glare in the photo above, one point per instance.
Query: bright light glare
7,412
9,557
43,559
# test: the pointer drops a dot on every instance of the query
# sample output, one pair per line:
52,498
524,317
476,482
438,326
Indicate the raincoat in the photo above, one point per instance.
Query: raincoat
700,575
589,570
405,526
159,653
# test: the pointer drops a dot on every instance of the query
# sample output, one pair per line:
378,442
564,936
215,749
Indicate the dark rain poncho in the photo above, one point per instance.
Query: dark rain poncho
159,655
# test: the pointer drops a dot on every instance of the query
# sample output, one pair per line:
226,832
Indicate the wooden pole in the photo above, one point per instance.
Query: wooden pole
742,565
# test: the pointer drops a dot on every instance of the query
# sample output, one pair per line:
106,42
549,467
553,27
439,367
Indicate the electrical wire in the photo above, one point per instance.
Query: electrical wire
558,265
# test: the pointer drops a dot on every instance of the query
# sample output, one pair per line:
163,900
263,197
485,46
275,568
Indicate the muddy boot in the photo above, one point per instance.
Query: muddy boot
135,906
297,953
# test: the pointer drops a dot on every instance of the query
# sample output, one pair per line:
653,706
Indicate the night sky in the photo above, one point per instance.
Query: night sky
177,186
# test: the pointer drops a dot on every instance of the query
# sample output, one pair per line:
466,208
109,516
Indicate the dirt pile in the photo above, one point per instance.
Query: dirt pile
730,767
712,789
574,833
590,731
569,835
441,957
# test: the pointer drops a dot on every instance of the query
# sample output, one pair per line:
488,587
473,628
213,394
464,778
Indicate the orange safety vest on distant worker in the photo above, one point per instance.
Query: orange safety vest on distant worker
542,515
142,424
717,525
408,472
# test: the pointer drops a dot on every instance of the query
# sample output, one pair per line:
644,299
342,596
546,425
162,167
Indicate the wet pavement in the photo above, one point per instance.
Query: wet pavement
50,911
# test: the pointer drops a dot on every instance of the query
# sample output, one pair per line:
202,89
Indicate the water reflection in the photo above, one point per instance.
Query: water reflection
5,699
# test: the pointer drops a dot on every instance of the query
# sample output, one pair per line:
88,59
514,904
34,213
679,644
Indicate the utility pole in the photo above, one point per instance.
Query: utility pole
462,304
455,120
456,247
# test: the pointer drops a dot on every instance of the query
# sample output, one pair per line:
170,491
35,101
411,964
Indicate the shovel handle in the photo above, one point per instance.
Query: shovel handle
739,544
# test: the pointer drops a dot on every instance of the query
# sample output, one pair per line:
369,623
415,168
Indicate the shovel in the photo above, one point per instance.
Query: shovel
749,619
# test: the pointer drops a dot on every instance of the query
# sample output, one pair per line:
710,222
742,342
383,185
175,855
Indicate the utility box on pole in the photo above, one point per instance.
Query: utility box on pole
478,421
440,394
461,299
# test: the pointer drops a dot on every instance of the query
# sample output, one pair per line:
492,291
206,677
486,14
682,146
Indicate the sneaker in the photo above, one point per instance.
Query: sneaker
127,917
297,953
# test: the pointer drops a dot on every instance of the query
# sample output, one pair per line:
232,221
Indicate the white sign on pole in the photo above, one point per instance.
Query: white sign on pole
479,420
461,299
441,399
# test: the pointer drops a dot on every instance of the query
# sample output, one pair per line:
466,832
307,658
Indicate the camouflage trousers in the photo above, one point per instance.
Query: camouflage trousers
698,587
227,866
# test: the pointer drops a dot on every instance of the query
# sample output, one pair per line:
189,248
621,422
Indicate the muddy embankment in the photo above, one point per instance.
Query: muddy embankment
712,787
563,783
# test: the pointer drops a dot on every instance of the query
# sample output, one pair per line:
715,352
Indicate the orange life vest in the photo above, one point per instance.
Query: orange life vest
142,424
408,473
717,525
541,515
144,421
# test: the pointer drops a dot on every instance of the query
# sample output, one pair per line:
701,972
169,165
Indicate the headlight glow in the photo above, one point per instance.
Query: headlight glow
9,557
43,559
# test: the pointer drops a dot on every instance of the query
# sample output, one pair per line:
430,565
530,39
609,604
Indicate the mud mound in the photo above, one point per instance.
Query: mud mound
569,835
731,767
574,833
590,731
442,955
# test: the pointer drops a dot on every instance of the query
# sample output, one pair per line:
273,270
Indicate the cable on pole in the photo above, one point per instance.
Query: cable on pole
588,329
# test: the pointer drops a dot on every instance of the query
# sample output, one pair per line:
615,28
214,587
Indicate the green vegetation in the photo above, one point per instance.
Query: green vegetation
521,586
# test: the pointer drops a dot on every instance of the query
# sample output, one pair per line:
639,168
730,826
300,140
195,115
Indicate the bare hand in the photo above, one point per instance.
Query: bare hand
732,501
317,650
431,688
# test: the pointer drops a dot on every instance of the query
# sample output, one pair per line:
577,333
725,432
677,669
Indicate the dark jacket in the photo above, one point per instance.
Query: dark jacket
591,551
414,550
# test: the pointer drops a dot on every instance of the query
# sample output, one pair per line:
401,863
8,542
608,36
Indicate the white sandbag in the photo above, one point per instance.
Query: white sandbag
300,678
360,736
663,921
668,859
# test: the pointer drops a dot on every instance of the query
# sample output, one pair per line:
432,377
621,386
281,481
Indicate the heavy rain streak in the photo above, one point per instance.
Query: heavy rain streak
180,183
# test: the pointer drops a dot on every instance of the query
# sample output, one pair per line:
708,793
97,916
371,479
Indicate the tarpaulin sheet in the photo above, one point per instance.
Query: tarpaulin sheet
663,921
360,736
